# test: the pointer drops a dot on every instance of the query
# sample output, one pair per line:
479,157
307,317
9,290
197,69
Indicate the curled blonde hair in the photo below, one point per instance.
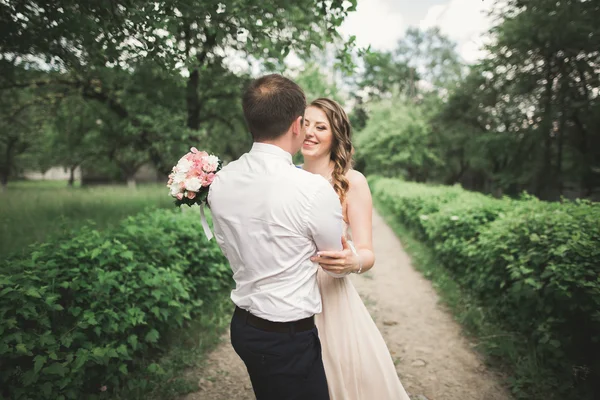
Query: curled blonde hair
341,146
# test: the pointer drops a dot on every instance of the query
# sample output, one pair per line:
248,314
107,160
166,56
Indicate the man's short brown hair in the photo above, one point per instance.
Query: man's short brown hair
271,103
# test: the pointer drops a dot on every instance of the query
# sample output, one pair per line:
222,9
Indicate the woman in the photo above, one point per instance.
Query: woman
357,362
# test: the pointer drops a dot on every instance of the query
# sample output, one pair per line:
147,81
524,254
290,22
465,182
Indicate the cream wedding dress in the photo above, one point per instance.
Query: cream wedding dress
357,362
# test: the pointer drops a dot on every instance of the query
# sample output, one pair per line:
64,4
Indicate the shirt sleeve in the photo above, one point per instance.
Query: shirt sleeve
324,220
218,233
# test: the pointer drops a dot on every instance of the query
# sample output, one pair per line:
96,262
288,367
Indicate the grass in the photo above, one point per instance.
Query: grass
173,374
507,352
33,211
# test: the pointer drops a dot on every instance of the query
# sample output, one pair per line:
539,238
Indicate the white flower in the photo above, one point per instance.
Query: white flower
179,177
174,189
193,184
211,163
454,218
184,165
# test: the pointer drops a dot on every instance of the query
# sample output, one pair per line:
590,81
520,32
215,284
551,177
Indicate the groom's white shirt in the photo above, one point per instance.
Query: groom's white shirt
269,218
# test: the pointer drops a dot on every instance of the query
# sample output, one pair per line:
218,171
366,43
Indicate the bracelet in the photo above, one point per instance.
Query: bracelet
359,260
359,265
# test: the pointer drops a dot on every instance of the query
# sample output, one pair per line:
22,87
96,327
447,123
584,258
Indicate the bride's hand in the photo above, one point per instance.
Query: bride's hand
338,262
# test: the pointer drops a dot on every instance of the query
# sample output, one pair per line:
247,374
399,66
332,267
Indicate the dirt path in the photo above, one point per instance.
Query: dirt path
433,359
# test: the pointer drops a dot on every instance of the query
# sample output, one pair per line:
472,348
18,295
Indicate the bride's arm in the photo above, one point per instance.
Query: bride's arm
359,213
360,216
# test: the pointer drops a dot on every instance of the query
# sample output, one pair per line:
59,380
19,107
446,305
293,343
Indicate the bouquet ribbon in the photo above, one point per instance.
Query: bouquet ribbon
204,222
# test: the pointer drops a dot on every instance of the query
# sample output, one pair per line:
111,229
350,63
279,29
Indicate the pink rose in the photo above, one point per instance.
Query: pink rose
197,172
179,196
194,150
191,195
201,154
209,179
199,163
103,388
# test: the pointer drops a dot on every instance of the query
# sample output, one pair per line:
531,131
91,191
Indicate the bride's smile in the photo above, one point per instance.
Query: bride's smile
319,137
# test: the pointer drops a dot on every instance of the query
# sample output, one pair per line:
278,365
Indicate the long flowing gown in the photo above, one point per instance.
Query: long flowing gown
357,361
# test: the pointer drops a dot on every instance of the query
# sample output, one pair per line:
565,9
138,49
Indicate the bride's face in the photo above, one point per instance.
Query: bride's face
319,137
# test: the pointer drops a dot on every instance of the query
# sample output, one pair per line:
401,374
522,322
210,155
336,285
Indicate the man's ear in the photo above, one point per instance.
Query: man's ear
297,125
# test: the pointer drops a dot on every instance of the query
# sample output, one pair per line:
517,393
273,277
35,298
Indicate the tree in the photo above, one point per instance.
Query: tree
73,136
532,105
268,31
432,55
92,50
22,117
358,116
316,84
383,75
397,141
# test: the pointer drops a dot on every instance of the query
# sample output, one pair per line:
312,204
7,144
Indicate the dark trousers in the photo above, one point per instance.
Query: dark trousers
282,366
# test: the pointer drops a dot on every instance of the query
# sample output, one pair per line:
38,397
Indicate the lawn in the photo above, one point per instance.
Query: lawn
32,211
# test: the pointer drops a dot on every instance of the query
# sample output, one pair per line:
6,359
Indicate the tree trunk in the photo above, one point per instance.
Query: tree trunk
131,182
193,101
559,156
5,169
72,175
192,97
542,179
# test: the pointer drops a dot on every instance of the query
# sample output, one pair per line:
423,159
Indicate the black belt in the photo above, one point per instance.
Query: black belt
300,325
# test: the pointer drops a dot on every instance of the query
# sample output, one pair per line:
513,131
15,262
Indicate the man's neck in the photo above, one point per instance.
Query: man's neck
282,144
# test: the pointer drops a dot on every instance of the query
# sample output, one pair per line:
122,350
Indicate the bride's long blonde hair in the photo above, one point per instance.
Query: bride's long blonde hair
341,146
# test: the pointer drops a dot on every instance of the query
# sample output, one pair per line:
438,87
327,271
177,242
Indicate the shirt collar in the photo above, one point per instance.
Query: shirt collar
271,149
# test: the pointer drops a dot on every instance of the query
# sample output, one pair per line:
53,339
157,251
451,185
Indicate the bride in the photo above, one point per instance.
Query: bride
357,362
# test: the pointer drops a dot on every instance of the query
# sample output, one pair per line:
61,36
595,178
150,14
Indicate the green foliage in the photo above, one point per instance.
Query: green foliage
526,118
523,118
421,55
155,73
316,84
433,56
533,265
396,141
543,259
23,115
81,312
455,225
168,377
383,75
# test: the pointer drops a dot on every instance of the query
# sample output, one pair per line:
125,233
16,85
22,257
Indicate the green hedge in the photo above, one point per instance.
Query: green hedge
82,312
534,265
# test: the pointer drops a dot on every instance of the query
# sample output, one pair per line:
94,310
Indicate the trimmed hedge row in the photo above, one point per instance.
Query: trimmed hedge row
81,312
535,265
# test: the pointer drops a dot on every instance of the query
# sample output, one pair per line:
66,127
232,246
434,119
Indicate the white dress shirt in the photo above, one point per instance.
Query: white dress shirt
269,218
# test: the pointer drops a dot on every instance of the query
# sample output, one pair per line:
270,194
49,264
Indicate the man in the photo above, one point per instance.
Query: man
269,219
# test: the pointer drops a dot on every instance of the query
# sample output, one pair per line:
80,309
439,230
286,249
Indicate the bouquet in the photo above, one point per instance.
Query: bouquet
190,180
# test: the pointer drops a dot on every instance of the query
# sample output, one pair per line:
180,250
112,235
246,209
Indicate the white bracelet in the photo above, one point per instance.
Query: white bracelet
357,256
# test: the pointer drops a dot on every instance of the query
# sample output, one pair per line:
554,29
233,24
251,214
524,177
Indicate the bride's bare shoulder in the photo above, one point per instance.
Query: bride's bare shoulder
355,178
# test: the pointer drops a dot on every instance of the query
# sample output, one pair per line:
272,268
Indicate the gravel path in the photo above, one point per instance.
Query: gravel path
433,359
